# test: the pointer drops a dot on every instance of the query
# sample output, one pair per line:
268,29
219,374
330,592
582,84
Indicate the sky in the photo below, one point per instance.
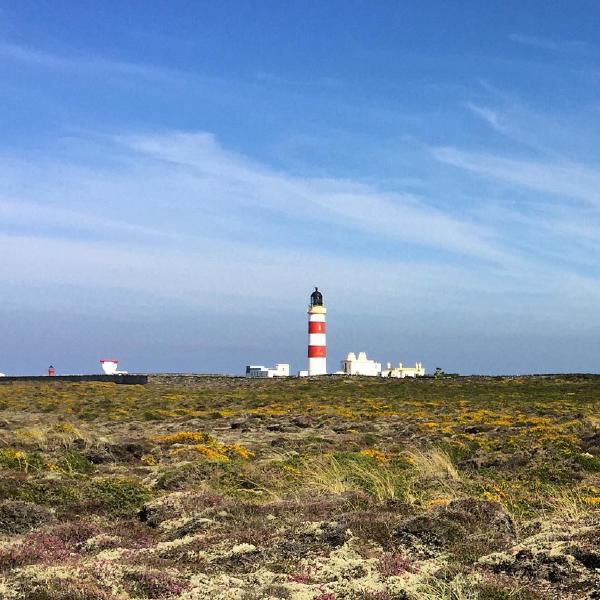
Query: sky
176,177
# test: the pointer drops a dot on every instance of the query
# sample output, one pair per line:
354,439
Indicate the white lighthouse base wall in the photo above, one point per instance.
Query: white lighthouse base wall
317,366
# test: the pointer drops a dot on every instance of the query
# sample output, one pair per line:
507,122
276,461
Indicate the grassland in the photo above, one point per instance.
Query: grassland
330,489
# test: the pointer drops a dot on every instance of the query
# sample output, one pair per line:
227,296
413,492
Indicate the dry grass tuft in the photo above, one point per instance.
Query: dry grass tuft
568,506
331,475
433,465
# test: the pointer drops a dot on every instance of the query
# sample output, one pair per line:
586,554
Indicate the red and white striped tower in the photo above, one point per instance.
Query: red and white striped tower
317,340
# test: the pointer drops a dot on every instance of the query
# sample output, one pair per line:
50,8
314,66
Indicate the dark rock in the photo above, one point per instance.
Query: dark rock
130,450
467,525
145,515
278,442
589,557
341,428
302,422
79,444
591,444
99,457
20,517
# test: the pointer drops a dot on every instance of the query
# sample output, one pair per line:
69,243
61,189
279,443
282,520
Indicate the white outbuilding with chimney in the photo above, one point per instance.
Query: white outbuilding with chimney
360,365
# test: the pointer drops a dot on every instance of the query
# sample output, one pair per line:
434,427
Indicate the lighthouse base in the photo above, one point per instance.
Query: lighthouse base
317,366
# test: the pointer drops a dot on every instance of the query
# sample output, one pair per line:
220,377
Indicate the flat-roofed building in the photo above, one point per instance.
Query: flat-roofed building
401,371
258,371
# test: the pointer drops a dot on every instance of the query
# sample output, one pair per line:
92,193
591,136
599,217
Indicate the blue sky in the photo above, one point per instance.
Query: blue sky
176,176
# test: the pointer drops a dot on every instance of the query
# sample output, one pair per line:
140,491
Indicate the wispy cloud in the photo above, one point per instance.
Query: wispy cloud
488,115
180,207
550,44
343,203
559,179
83,63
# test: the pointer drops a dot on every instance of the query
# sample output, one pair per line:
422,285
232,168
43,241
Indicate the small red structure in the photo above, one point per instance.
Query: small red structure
51,371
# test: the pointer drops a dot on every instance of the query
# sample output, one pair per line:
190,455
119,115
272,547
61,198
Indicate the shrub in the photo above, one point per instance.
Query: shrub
120,493
20,517
393,564
74,462
53,493
61,589
155,584
12,458
37,547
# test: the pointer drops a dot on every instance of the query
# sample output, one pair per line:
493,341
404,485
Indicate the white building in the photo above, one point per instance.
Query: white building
110,365
279,370
401,371
360,366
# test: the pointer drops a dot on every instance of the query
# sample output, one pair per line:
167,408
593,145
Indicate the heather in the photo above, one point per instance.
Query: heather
325,489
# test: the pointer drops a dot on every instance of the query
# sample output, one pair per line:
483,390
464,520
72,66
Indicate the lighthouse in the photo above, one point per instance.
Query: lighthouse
317,340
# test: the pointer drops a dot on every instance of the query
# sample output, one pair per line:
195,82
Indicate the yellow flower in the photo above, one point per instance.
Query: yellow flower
378,456
182,437
438,502
490,497
209,453
591,500
240,451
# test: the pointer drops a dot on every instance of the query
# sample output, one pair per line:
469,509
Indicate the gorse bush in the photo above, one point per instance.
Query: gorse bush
190,443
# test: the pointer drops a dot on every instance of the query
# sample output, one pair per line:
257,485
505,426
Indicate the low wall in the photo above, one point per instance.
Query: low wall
124,379
189,379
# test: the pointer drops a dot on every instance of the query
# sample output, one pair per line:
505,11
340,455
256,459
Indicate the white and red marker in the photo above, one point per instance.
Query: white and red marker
317,338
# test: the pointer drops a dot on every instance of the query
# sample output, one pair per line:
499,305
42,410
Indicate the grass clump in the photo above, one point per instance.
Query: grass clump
343,472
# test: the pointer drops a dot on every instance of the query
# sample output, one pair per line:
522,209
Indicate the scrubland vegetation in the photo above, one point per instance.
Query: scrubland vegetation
330,489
